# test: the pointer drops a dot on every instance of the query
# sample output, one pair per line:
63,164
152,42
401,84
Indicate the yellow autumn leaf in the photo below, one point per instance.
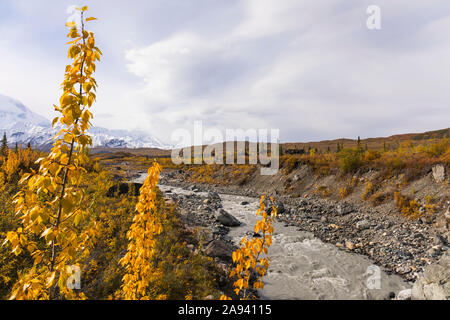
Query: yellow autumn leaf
70,24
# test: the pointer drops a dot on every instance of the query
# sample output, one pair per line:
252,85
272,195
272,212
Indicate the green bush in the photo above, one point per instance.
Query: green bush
350,160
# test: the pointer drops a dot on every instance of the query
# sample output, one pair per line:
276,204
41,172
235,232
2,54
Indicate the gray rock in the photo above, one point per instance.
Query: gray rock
439,240
227,219
419,236
404,294
219,249
206,236
280,207
403,270
405,255
363,224
434,250
212,195
434,282
438,172
344,208
214,200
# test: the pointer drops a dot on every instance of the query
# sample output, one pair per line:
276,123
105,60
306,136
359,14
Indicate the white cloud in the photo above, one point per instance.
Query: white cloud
311,69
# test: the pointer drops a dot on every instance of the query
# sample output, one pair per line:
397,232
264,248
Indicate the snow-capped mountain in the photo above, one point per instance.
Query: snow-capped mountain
24,126
102,137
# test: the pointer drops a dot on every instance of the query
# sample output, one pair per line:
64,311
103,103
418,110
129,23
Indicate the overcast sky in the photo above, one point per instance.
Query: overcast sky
308,67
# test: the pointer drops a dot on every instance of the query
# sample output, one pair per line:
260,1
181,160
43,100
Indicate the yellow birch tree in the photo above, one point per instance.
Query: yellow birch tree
51,202
248,258
147,225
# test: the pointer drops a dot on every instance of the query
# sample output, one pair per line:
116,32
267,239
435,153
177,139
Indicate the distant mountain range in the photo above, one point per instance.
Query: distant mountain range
24,126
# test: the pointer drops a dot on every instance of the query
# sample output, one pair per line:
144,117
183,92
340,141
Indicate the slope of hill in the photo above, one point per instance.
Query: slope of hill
378,143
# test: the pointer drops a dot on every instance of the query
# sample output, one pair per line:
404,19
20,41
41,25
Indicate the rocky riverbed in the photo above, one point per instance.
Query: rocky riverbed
302,266
322,249
398,245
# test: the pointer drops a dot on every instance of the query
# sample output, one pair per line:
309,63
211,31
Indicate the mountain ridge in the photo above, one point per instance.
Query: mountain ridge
23,126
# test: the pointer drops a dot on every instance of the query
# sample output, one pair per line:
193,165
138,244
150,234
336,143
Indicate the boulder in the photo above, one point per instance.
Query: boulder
214,196
438,172
280,207
214,200
434,282
404,294
344,208
227,219
219,249
363,225
278,204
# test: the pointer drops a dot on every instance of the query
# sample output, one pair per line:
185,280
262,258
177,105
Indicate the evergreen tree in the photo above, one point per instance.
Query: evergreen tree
16,148
4,149
29,146
338,147
359,143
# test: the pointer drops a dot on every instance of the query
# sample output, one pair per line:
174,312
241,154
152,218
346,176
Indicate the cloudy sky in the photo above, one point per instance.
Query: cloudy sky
311,68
